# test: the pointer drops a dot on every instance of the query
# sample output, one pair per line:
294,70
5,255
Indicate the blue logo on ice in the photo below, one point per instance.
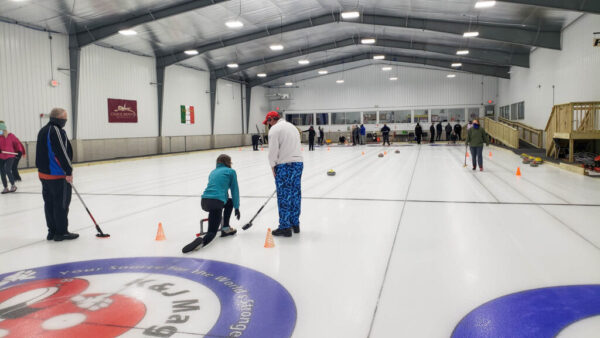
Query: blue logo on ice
56,298
533,313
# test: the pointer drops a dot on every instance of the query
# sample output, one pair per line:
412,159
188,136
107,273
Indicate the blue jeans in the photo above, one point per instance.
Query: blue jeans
289,195
477,155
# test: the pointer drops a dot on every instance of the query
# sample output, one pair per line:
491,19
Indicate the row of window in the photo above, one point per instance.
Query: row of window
386,116
515,111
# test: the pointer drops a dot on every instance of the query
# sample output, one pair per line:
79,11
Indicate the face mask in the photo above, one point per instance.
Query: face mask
476,126
59,122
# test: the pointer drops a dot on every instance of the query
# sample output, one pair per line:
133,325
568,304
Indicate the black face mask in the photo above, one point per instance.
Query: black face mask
59,122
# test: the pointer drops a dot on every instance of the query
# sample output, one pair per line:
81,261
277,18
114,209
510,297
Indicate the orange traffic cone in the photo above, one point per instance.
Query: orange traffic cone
385,152
490,154
327,148
160,234
518,171
261,149
467,154
363,153
269,243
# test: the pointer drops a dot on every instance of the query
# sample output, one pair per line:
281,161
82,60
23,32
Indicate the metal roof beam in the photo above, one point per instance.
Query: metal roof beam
586,6
88,36
488,70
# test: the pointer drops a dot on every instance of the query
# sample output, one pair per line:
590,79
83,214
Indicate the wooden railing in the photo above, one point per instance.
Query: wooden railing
571,117
527,134
502,132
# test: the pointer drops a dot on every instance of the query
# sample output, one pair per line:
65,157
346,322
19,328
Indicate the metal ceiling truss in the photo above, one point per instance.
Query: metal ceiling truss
488,70
485,55
586,6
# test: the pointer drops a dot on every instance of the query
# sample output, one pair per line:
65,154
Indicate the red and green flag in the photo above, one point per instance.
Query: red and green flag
187,114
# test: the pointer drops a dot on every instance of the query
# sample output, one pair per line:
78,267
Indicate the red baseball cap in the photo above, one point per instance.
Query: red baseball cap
271,114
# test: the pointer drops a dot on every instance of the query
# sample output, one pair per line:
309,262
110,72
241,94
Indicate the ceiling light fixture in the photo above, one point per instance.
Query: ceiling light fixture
462,52
276,46
485,4
451,76
456,65
393,78
323,72
234,24
350,15
303,62
339,81
261,74
367,41
232,65
289,84
191,52
379,57
127,32
386,68
470,34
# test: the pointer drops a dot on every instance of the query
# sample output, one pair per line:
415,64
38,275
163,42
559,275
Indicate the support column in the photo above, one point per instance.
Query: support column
160,80
74,67
213,101
248,99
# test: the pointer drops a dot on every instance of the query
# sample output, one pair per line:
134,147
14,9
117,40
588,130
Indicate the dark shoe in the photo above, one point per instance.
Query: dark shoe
474,168
13,188
192,246
296,229
50,236
67,236
229,232
282,232
5,191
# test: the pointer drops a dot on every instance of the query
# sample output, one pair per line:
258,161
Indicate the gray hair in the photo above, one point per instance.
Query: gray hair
57,112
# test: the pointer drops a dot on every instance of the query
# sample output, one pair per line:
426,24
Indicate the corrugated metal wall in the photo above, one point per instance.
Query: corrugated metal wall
259,107
185,86
574,72
106,73
369,87
228,112
25,75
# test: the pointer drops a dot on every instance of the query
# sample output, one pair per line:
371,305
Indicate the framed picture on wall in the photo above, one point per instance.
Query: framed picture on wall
122,111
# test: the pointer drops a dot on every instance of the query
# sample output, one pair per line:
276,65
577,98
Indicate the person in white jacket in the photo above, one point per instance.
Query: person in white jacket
286,163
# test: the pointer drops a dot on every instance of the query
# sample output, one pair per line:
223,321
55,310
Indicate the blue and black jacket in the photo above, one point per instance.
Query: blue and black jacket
53,159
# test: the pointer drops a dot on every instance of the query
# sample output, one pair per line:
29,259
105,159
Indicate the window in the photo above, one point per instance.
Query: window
505,112
345,118
402,116
322,119
353,117
300,119
439,115
456,114
521,113
473,114
369,117
421,115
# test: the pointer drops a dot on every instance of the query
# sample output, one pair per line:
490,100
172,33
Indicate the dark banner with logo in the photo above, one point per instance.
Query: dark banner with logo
122,111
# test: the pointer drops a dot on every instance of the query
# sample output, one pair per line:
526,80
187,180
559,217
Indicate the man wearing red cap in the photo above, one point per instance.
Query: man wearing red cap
286,162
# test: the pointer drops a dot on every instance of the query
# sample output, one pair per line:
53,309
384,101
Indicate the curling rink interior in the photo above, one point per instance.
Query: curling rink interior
408,245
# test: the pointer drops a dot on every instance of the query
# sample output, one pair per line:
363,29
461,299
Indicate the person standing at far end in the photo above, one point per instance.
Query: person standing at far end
458,130
311,138
53,160
363,134
432,132
286,163
321,136
385,132
448,130
438,130
476,137
418,133
255,139
9,145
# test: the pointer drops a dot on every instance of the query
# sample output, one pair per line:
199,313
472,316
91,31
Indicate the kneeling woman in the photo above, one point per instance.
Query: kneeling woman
216,201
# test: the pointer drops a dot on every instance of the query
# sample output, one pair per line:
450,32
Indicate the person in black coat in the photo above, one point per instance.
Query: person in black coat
311,138
418,133
355,135
448,131
255,139
385,132
438,129
432,132
321,136
458,130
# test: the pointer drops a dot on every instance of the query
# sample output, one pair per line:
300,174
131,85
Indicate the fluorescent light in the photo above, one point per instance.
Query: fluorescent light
350,15
462,52
232,65
323,72
127,32
289,84
456,65
303,62
451,76
276,46
367,41
386,68
339,81
378,57
261,74
234,24
470,34
485,4
191,52
393,78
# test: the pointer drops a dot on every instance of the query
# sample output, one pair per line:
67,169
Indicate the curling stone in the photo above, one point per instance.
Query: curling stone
380,155
534,163
526,160
397,151
330,172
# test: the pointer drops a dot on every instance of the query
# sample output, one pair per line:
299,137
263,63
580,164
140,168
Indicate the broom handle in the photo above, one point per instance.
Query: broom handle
259,210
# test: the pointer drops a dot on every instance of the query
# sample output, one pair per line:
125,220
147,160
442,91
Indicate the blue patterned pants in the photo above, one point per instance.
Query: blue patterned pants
287,180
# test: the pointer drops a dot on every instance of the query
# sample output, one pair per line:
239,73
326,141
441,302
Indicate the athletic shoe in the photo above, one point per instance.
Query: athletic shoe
480,168
67,236
50,236
474,168
229,232
13,188
5,191
192,246
296,229
287,232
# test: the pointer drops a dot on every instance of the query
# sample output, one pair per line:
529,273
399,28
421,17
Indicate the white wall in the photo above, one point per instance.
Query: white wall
25,75
106,73
574,72
185,86
228,111
259,107
369,87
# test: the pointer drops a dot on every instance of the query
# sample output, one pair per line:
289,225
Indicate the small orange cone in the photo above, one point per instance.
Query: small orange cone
160,234
467,154
261,149
385,152
269,243
490,154
327,148
518,171
363,153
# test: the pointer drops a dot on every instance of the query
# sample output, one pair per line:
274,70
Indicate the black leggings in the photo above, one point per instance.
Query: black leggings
386,138
6,169
15,168
311,144
216,209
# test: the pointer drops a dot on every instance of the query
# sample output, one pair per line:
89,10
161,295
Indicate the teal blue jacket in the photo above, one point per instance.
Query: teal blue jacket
220,181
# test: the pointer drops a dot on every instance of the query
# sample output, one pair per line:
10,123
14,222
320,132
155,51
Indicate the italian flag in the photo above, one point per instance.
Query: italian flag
187,114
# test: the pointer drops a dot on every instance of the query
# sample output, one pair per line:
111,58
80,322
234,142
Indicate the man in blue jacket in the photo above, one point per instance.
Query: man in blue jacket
363,134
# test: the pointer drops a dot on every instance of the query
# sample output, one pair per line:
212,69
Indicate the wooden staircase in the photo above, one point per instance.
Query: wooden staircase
527,134
572,121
